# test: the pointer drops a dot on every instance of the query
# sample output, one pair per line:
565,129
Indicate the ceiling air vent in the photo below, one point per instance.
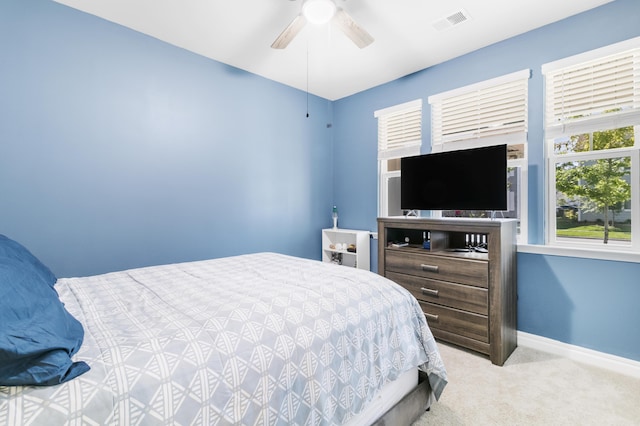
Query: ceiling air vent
454,19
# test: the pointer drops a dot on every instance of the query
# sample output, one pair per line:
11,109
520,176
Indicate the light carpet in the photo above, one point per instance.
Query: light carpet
532,388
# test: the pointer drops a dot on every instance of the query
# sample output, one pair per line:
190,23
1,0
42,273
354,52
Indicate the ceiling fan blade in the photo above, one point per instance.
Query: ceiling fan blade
352,30
290,32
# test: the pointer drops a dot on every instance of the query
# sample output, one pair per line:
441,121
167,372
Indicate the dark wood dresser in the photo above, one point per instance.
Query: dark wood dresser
469,297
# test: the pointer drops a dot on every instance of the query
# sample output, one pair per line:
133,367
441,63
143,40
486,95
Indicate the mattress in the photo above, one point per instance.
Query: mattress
258,339
387,397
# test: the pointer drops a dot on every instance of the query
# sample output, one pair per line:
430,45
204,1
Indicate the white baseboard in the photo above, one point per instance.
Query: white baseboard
615,363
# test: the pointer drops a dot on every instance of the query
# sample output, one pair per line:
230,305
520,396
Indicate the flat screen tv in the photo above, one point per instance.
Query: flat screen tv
470,179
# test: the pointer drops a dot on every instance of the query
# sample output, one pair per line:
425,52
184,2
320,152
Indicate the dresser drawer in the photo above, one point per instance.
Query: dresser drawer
465,271
460,296
462,323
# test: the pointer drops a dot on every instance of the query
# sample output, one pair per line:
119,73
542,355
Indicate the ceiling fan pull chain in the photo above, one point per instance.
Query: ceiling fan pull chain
307,78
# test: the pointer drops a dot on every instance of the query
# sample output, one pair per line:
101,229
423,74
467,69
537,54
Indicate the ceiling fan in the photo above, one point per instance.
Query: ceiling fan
321,12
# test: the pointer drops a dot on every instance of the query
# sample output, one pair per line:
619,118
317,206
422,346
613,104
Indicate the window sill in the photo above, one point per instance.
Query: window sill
619,256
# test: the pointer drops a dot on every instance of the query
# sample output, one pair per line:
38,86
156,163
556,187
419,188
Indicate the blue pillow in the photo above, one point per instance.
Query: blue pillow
37,334
10,249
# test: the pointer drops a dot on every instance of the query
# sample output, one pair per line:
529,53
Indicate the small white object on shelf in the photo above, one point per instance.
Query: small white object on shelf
399,244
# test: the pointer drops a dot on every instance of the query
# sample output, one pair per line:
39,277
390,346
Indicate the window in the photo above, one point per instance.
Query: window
592,125
491,112
399,135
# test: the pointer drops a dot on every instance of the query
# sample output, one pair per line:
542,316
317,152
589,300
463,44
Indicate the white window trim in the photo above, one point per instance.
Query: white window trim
383,194
523,163
585,253
509,139
553,240
408,148
554,245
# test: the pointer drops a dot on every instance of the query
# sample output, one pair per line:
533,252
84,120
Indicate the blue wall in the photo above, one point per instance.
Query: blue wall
585,302
589,303
118,150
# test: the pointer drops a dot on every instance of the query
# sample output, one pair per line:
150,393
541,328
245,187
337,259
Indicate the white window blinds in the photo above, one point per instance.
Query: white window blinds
495,109
399,130
585,95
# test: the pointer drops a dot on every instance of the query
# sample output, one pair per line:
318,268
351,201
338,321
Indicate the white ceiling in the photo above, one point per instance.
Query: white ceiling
321,60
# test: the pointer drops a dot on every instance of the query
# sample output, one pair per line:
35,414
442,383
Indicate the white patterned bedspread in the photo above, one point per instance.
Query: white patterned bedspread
259,339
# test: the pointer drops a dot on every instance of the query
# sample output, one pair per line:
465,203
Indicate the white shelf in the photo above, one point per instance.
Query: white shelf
333,241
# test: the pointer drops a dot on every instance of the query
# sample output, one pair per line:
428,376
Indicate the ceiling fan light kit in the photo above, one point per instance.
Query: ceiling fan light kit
318,12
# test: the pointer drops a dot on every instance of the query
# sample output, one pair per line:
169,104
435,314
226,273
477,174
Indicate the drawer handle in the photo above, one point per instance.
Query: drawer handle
429,291
429,268
431,316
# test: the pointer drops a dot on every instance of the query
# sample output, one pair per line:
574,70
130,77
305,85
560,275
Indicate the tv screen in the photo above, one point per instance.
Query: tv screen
470,179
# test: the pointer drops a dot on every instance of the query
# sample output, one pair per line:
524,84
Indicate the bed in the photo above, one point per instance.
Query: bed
256,339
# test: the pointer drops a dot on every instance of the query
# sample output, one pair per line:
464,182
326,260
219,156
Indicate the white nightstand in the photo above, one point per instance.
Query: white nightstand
338,245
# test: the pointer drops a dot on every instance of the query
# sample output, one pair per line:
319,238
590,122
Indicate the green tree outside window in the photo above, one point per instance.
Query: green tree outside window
599,185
